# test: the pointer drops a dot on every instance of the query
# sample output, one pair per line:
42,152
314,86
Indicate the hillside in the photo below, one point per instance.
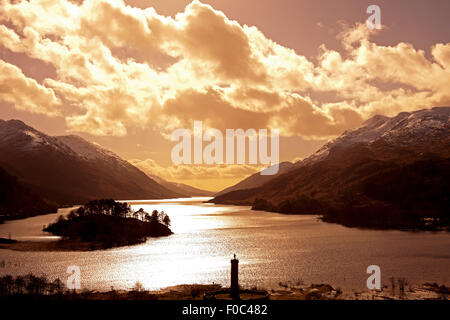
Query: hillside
183,188
18,201
70,170
257,179
389,173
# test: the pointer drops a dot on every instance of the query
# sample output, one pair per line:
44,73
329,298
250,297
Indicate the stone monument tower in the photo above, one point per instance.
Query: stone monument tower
234,278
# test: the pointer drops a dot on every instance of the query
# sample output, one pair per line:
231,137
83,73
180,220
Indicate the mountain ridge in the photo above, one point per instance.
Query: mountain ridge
61,174
256,179
181,187
351,179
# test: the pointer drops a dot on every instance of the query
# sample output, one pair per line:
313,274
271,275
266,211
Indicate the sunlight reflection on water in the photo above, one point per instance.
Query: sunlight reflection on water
271,248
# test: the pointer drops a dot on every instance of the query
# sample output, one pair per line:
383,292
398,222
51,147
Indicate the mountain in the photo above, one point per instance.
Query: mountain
256,180
17,201
397,134
97,153
388,173
181,188
70,170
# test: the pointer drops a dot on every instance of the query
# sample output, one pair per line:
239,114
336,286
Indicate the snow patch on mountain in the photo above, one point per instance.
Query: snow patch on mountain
34,137
404,129
91,151
27,139
87,149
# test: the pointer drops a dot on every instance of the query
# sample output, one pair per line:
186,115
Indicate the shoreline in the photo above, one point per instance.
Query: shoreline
58,246
215,292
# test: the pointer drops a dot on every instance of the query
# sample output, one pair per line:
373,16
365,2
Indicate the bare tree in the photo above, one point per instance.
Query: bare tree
402,283
392,280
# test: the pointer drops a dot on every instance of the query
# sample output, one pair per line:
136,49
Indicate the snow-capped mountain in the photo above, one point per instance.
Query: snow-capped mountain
95,152
70,169
426,129
388,173
91,151
88,149
28,139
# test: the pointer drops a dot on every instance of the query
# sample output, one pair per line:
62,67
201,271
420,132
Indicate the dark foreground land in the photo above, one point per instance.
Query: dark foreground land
33,287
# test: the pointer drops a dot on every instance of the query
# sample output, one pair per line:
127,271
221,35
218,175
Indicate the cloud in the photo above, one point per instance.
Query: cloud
25,93
441,53
200,65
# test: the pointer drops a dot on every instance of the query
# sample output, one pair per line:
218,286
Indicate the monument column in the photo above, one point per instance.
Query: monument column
234,278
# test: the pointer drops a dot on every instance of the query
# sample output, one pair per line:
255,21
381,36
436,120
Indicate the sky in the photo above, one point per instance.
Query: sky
126,74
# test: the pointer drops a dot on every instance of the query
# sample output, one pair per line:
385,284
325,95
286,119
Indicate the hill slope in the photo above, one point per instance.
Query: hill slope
389,173
18,201
181,188
256,180
70,170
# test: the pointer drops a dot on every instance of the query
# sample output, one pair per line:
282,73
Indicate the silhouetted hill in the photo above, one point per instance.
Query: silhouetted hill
389,173
181,188
18,201
256,180
71,170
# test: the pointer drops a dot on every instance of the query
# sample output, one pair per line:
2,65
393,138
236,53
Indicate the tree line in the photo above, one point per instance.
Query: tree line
30,285
110,207
110,223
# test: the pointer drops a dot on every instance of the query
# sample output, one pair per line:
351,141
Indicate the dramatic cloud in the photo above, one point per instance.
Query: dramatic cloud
119,66
26,93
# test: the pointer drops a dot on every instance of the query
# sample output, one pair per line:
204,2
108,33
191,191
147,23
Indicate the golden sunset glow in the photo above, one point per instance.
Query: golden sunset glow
224,154
112,69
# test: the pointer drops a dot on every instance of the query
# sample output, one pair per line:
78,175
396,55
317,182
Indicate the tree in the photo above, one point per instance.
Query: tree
138,287
402,282
72,215
166,219
58,286
7,284
19,284
155,216
392,279
140,214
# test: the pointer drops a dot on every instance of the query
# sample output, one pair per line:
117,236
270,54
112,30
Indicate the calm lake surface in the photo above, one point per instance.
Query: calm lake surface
271,248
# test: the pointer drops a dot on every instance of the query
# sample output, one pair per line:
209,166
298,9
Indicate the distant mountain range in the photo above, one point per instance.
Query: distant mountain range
181,188
257,179
391,172
388,173
69,170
